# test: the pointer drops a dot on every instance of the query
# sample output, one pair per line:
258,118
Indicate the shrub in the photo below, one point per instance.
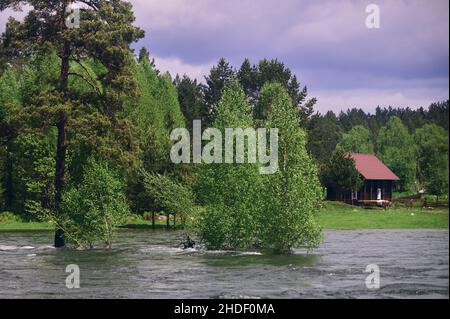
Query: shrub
169,194
293,195
229,191
8,217
92,210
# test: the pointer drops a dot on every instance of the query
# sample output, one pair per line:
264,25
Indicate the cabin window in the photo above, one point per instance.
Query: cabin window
354,195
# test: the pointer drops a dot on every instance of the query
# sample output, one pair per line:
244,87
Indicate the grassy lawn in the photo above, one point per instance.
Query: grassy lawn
334,215
14,225
22,226
337,215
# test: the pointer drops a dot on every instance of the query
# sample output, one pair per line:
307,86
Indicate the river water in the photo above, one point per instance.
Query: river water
147,264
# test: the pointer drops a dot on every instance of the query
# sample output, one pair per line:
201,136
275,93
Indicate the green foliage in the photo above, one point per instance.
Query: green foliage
292,196
155,111
191,98
432,158
340,173
269,71
219,76
9,218
229,192
324,133
358,140
10,96
93,209
34,173
93,75
172,196
396,149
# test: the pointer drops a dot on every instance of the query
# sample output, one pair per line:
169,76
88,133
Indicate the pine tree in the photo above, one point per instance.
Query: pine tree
191,98
340,173
218,77
248,78
104,35
324,133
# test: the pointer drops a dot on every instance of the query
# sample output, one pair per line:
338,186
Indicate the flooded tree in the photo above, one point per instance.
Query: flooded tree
102,33
292,196
229,190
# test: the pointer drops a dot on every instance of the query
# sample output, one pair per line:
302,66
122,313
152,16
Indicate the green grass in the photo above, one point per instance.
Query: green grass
335,215
25,226
14,224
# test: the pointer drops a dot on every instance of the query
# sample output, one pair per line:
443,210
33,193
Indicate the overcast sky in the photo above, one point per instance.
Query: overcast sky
326,43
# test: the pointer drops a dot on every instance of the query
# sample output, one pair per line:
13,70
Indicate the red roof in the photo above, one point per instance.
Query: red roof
370,167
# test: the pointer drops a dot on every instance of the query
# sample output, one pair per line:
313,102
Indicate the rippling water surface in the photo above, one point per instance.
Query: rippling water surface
147,264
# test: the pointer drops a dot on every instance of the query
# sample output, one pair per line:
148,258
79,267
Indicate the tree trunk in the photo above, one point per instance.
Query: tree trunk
153,220
61,146
9,192
60,173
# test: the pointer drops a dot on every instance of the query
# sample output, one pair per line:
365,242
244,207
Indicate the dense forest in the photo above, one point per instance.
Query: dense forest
412,142
85,125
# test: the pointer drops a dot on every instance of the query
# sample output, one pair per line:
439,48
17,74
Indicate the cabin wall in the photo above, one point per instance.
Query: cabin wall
368,191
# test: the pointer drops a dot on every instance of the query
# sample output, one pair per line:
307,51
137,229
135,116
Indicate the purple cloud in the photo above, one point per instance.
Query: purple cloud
326,43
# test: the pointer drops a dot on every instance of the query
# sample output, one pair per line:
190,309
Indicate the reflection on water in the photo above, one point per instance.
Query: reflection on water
148,264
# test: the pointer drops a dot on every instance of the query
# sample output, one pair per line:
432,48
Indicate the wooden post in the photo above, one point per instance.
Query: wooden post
153,220
167,220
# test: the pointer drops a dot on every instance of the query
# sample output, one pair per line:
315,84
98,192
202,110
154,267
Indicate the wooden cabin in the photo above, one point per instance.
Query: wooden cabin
378,183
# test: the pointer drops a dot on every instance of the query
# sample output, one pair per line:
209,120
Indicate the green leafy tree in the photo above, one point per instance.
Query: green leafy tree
34,173
432,158
155,112
358,140
397,150
292,196
10,97
93,209
104,36
340,173
229,191
169,194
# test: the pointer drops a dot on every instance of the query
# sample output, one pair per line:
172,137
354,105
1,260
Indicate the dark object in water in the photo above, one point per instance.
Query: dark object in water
189,243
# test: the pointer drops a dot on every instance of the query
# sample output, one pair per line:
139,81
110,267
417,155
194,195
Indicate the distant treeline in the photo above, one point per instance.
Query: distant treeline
410,141
162,103
326,130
